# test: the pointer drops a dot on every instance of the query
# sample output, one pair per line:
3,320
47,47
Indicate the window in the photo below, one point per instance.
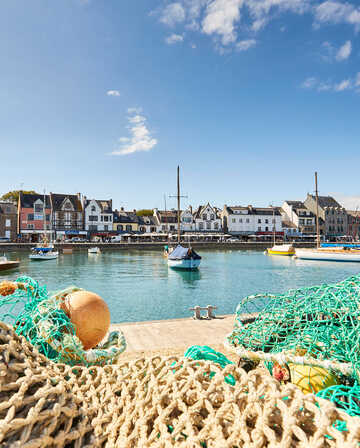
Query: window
266,229
128,228
309,221
266,221
30,217
259,221
120,227
240,220
208,226
93,208
101,218
93,218
38,207
301,222
30,226
186,219
7,223
106,227
163,228
152,229
92,227
172,227
38,217
68,206
201,226
216,225
106,218
204,216
259,229
247,220
110,218
212,217
47,218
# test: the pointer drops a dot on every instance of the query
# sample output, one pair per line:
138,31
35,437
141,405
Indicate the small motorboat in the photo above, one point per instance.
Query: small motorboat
184,258
94,250
281,249
43,253
6,264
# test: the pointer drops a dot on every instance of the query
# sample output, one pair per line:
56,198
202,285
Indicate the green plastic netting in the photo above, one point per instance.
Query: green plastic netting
37,316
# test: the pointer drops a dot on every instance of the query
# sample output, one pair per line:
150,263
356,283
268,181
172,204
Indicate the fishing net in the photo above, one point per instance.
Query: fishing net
157,402
37,316
309,336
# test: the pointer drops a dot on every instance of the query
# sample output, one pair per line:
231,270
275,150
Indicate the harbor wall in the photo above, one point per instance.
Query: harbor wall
251,245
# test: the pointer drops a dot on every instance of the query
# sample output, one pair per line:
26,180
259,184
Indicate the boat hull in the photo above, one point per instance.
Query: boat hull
326,256
185,264
276,252
44,257
5,266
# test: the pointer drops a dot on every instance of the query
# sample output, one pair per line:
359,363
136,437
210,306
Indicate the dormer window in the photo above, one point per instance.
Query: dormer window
38,206
93,208
204,216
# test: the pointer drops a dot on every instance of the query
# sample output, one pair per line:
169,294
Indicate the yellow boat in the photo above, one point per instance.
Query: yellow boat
282,249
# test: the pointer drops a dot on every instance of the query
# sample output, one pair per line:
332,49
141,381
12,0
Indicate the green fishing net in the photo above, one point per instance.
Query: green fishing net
319,322
37,316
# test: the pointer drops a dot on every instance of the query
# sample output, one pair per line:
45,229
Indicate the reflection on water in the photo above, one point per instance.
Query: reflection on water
139,285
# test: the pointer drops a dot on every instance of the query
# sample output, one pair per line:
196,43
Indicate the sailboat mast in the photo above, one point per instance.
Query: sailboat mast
178,201
274,226
317,212
44,216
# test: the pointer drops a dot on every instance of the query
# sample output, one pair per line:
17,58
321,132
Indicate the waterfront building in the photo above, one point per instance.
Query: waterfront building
353,217
8,220
125,221
258,221
98,216
333,215
207,219
67,215
187,222
30,212
303,219
147,224
166,220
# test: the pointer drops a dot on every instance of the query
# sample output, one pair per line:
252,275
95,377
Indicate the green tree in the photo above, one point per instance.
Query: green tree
13,196
145,212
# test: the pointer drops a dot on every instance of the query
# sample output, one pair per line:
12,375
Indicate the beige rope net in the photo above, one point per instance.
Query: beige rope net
157,402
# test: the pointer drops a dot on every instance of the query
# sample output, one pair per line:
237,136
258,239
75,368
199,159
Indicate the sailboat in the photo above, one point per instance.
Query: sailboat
326,253
44,251
182,257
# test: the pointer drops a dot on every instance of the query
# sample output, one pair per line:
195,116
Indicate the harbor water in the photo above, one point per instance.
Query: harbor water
139,286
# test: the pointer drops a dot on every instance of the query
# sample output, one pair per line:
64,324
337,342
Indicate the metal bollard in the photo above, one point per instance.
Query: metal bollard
210,309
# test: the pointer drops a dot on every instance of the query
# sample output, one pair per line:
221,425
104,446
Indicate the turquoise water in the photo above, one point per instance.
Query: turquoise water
138,285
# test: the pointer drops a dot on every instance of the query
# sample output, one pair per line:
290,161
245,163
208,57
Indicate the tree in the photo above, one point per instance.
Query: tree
144,212
13,196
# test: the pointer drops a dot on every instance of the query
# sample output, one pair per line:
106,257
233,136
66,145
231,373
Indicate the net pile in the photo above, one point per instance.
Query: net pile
37,316
156,403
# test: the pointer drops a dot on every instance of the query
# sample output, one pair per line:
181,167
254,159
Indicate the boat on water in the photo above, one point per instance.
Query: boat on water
181,257
281,249
339,253
184,258
6,264
43,253
94,250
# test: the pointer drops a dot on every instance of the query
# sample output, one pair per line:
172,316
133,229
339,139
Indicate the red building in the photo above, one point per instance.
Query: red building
31,216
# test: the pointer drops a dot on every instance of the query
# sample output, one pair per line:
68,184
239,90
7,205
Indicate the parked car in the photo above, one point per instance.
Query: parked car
4,239
79,240
232,240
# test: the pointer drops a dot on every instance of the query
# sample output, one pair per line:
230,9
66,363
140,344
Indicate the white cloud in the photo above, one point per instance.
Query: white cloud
173,14
357,80
244,45
134,110
174,38
220,19
309,83
344,51
332,11
113,93
140,137
343,85
348,202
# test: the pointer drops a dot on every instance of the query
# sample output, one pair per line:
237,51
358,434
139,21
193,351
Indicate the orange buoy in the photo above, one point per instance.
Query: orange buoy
90,315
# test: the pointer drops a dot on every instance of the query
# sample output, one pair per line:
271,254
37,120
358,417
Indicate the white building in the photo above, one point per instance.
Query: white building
251,220
300,216
187,223
207,219
98,215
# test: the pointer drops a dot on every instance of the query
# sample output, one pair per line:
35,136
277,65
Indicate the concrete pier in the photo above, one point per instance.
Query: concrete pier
173,336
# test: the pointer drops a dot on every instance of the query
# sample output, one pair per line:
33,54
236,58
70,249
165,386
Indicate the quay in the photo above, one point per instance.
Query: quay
157,245
173,336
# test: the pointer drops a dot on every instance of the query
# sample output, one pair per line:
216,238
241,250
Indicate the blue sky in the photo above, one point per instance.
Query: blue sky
250,97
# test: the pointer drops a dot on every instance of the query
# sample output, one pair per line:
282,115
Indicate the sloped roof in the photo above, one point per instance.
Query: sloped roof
105,205
58,199
199,211
147,220
125,217
8,208
168,217
27,200
326,201
296,204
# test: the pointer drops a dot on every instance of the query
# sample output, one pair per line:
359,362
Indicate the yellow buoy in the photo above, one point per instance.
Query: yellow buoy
90,315
311,379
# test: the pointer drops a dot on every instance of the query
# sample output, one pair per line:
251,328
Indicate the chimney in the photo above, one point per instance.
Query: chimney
134,211
190,208
122,209
110,203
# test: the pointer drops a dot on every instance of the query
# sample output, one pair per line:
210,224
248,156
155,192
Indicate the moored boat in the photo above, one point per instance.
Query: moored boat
281,249
338,254
43,253
94,250
184,258
6,264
